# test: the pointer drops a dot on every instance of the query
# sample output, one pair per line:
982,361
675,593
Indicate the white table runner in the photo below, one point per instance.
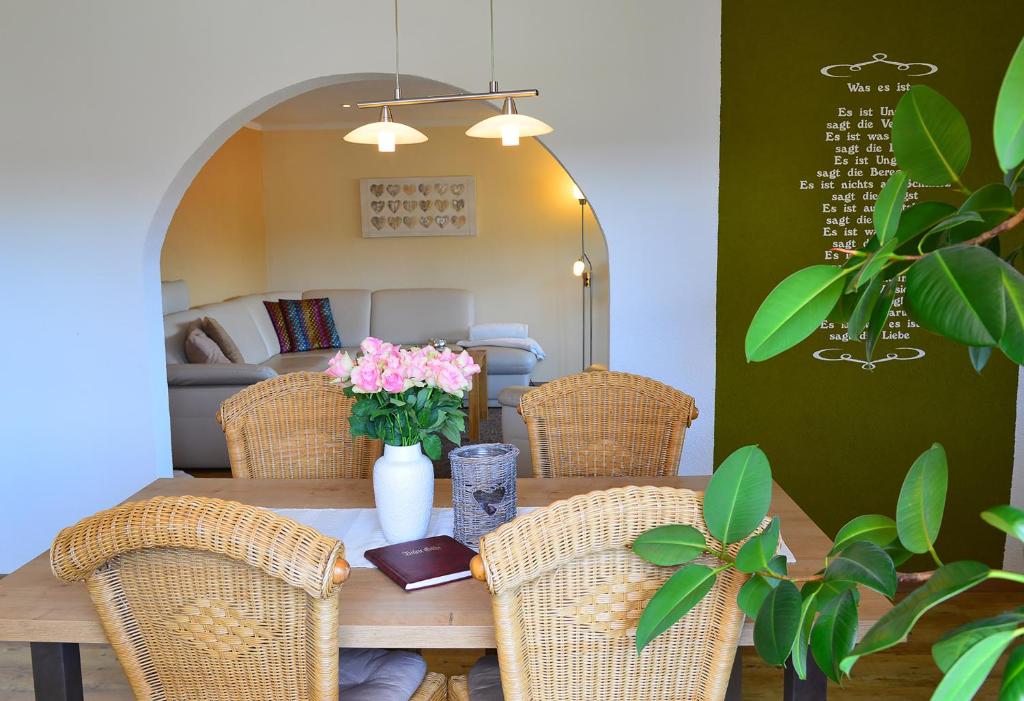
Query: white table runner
360,530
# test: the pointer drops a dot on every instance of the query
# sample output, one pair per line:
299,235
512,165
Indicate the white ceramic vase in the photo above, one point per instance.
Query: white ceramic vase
403,490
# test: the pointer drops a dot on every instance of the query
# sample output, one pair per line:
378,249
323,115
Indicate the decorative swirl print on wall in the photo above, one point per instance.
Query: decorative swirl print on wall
867,364
847,70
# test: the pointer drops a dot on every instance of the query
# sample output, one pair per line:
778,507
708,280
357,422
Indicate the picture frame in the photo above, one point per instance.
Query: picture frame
420,206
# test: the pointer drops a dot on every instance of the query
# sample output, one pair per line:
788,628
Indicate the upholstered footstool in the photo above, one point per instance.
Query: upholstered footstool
513,428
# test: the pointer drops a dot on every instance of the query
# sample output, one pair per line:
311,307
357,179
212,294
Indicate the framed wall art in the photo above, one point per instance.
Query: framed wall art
438,206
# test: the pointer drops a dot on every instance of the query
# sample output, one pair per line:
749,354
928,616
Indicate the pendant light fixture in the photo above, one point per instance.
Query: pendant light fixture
386,132
508,126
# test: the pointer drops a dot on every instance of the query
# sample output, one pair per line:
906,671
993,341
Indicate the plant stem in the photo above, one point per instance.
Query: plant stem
1010,576
935,555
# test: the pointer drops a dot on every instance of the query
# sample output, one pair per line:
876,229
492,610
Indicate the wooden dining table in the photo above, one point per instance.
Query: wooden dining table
55,617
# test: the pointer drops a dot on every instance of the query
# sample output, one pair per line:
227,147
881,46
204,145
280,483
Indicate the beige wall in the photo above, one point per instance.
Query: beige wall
217,241
518,265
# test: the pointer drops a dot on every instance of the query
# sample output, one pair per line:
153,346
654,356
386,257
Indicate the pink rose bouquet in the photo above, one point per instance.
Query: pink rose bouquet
406,396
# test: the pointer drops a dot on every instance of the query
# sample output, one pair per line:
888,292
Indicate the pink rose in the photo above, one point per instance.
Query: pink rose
450,380
393,381
366,377
340,366
371,346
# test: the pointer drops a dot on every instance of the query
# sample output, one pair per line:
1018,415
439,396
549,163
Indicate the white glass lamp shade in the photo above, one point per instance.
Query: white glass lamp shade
578,267
577,194
385,133
509,128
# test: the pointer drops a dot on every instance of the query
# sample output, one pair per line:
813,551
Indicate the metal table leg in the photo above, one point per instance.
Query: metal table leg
57,671
814,688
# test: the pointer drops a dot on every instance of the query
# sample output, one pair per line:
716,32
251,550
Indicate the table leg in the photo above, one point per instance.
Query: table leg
57,671
734,692
814,688
482,379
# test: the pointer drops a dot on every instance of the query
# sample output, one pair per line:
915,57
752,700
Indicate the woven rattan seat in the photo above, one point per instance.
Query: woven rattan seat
215,600
567,594
294,426
606,424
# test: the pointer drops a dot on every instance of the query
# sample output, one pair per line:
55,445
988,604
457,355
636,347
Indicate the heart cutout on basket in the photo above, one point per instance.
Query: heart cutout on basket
459,221
393,205
441,188
425,222
441,205
488,499
409,189
378,222
409,221
394,222
377,206
377,189
409,205
393,189
441,221
458,205
457,189
425,205
424,189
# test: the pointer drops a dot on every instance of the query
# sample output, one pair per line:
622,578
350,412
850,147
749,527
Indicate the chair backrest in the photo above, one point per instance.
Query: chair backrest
210,599
606,424
294,426
567,594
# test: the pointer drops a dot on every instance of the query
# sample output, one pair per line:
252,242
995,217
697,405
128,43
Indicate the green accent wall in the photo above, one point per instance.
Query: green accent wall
841,437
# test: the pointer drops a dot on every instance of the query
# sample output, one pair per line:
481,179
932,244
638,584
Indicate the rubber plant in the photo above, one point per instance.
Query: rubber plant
959,284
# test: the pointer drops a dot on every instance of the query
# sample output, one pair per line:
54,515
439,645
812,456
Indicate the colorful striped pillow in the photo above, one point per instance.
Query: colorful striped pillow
280,325
310,323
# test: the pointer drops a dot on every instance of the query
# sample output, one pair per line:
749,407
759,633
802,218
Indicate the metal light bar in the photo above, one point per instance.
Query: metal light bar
463,97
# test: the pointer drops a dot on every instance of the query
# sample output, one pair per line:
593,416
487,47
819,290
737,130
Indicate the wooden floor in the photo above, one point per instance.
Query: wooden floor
901,674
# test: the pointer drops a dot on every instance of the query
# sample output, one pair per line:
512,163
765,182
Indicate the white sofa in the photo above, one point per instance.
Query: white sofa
408,316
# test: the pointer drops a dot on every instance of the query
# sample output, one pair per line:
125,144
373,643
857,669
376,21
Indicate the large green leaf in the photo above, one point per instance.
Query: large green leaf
1012,341
893,626
886,214
738,495
930,138
680,593
879,317
812,602
793,310
958,292
876,263
1008,126
1008,519
897,552
919,218
777,623
874,528
865,305
1012,688
966,676
922,500
953,644
755,589
834,634
993,203
670,545
864,563
954,220
757,552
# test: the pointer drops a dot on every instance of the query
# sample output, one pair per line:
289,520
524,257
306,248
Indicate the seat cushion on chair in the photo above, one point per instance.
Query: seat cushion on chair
509,361
485,680
379,675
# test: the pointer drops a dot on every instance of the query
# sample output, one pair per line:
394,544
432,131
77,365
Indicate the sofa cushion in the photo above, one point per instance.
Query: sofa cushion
310,324
284,341
415,315
313,361
509,361
216,332
200,348
379,675
351,310
484,680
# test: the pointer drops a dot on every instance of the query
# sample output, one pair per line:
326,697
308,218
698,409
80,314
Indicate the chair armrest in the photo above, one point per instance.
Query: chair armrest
208,374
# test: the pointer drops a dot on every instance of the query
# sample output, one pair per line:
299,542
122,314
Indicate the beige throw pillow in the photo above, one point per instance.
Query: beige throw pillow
200,348
215,331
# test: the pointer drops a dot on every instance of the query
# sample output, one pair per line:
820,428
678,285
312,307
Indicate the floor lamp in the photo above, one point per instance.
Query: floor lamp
584,270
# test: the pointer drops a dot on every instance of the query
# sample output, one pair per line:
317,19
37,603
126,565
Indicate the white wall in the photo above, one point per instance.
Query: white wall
110,108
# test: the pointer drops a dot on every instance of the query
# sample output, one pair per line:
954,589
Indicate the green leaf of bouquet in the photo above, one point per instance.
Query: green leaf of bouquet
993,203
1012,341
922,500
893,626
738,495
432,446
670,545
449,431
979,356
1008,125
777,623
873,528
953,644
833,635
930,138
879,317
886,214
1012,688
956,292
680,593
753,592
968,673
1008,519
865,305
793,310
757,552
864,563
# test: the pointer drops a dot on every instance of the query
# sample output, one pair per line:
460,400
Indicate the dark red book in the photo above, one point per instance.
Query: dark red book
422,563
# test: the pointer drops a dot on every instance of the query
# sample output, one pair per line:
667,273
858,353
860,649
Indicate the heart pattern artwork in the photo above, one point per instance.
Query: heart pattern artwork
419,206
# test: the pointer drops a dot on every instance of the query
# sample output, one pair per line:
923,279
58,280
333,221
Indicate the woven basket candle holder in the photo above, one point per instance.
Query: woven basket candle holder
483,489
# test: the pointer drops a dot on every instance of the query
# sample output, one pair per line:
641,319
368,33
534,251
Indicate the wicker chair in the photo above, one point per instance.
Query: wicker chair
606,424
215,600
294,426
567,594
